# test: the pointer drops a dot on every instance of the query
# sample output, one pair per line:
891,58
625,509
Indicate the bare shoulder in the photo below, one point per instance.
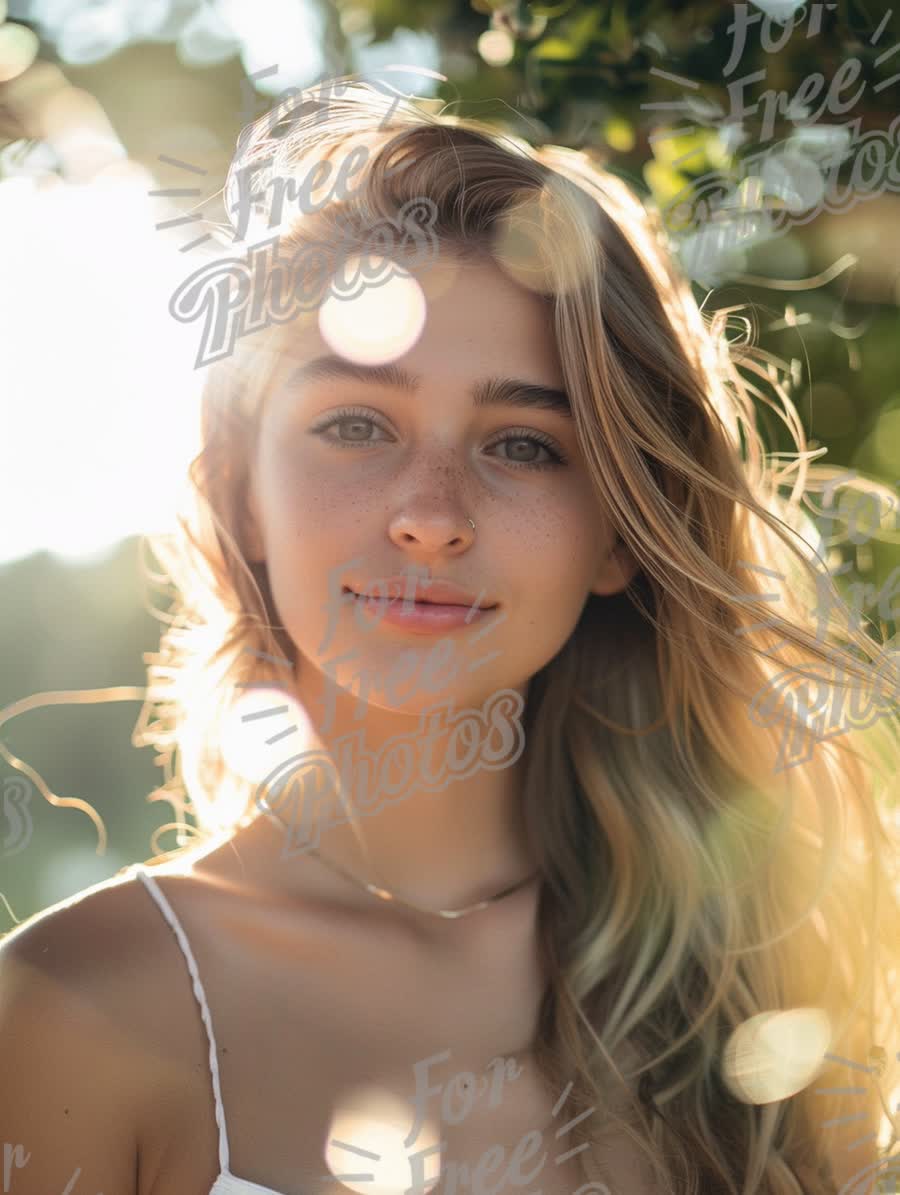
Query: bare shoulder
106,956
79,941
80,1028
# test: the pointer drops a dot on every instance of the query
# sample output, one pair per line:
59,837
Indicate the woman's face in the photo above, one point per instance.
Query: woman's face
343,499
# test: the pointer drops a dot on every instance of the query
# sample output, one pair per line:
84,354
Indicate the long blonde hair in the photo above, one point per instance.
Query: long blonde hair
702,862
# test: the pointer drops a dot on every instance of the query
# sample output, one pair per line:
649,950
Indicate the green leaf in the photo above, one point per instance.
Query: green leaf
556,49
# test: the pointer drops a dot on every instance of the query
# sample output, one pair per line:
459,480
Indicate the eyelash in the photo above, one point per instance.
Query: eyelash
524,434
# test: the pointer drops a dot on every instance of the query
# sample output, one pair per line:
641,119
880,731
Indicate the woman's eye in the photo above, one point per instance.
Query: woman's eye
535,445
355,428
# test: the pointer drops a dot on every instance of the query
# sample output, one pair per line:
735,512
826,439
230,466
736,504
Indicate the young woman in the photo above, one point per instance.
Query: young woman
542,842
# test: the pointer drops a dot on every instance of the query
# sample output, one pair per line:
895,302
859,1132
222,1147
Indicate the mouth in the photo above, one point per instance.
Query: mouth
421,600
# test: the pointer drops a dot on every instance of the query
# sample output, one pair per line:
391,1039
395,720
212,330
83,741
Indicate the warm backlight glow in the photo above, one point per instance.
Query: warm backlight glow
775,1054
366,1150
262,727
379,324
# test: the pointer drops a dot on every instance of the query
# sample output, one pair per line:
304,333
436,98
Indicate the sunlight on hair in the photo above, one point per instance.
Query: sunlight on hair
379,324
775,1054
377,1122
663,725
521,242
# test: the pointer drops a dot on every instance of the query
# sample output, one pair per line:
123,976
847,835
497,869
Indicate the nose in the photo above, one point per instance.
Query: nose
432,533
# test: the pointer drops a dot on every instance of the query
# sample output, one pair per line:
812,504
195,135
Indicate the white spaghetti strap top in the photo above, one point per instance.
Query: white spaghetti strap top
226,1183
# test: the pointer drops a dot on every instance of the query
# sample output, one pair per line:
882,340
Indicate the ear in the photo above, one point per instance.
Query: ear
616,571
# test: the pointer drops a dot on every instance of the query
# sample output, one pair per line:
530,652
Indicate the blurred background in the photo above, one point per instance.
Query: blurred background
753,128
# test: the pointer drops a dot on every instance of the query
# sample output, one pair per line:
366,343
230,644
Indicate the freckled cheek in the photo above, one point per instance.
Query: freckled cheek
560,519
298,494
567,535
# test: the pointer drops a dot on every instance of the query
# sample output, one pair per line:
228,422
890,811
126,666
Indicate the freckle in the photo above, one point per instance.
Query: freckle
66,1110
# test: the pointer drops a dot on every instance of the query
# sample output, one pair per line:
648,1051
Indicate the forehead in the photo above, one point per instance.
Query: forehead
477,320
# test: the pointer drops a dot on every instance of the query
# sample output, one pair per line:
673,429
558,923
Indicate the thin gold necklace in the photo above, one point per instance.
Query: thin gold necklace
385,894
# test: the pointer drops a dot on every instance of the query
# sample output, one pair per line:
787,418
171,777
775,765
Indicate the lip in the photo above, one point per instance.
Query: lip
433,592
457,607
421,617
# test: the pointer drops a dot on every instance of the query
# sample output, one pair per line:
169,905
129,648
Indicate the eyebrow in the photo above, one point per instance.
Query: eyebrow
487,392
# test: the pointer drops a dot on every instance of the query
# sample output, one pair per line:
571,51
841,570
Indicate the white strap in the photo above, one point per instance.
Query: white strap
166,909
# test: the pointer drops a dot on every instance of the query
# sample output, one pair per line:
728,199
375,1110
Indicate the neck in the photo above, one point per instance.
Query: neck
446,845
